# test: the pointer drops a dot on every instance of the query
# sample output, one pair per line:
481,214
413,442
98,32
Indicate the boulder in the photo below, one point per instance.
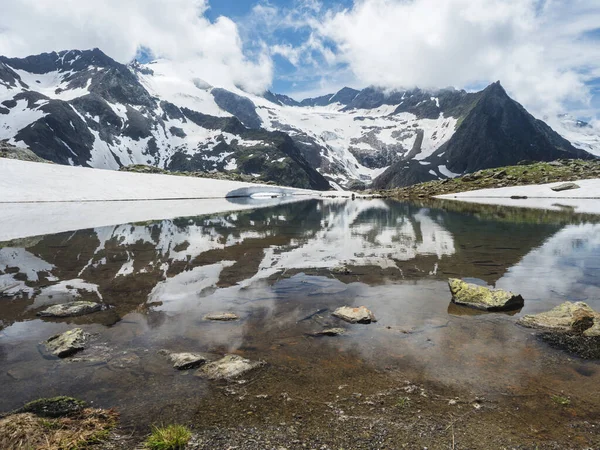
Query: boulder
186,361
221,317
230,366
71,309
483,298
355,315
67,343
577,318
565,187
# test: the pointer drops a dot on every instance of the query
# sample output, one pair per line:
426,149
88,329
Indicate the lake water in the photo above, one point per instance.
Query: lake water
278,269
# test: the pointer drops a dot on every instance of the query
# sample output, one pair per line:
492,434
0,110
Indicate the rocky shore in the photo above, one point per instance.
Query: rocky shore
526,173
252,404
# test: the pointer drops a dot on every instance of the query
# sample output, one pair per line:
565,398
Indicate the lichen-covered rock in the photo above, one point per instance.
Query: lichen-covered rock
71,309
67,343
221,317
570,317
355,315
230,366
480,297
186,361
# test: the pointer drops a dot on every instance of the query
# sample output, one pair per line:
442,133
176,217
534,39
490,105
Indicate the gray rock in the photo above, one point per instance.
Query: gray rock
565,187
67,343
229,367
70,309
221,317
355,315
480,297
186,361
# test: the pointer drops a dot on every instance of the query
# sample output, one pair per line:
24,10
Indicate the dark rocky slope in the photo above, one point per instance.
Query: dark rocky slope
493,131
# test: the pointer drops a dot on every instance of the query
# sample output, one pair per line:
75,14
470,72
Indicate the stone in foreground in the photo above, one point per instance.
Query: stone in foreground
186,361
355,315
569,317
565,187
483,298
221,317
229,367
67,343
71,309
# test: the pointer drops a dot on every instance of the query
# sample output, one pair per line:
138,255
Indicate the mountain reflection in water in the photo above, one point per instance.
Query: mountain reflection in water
275,267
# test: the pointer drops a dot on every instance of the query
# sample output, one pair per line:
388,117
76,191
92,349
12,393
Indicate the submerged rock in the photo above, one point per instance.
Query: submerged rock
221,317
67,343
569,317
480,297
329,332
228,367
355,315
565,187
71,309
186,361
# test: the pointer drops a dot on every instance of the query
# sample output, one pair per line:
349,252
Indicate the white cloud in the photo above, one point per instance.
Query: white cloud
538,49
174,29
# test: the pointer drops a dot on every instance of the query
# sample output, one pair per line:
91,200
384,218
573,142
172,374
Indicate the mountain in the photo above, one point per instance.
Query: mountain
83,108
496,131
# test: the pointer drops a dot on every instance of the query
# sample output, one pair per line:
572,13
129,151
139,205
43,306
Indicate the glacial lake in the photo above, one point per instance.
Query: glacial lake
283,270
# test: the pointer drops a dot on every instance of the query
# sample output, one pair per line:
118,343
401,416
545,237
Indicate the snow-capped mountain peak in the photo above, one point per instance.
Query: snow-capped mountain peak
83,108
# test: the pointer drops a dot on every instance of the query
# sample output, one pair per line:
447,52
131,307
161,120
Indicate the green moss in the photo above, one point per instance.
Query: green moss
171,437
54,407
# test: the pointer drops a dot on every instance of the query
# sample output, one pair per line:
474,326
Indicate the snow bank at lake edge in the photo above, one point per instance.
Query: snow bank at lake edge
584,200
24,181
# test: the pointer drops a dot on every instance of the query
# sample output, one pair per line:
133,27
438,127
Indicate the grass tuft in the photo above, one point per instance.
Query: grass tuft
403,403
171,437
75,432
559,400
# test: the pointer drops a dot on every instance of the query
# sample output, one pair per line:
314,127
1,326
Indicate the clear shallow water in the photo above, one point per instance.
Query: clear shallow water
272,267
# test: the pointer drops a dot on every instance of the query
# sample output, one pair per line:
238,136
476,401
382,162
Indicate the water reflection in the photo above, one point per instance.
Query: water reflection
277,268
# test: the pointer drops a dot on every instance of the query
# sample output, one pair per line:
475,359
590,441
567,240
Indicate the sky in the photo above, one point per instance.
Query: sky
546,53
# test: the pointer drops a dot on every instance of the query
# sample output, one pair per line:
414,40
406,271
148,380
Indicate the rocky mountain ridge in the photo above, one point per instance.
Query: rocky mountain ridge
83,108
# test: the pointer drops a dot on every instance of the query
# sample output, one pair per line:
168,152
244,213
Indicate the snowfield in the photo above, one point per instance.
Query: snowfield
24,181
586,199
39,198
